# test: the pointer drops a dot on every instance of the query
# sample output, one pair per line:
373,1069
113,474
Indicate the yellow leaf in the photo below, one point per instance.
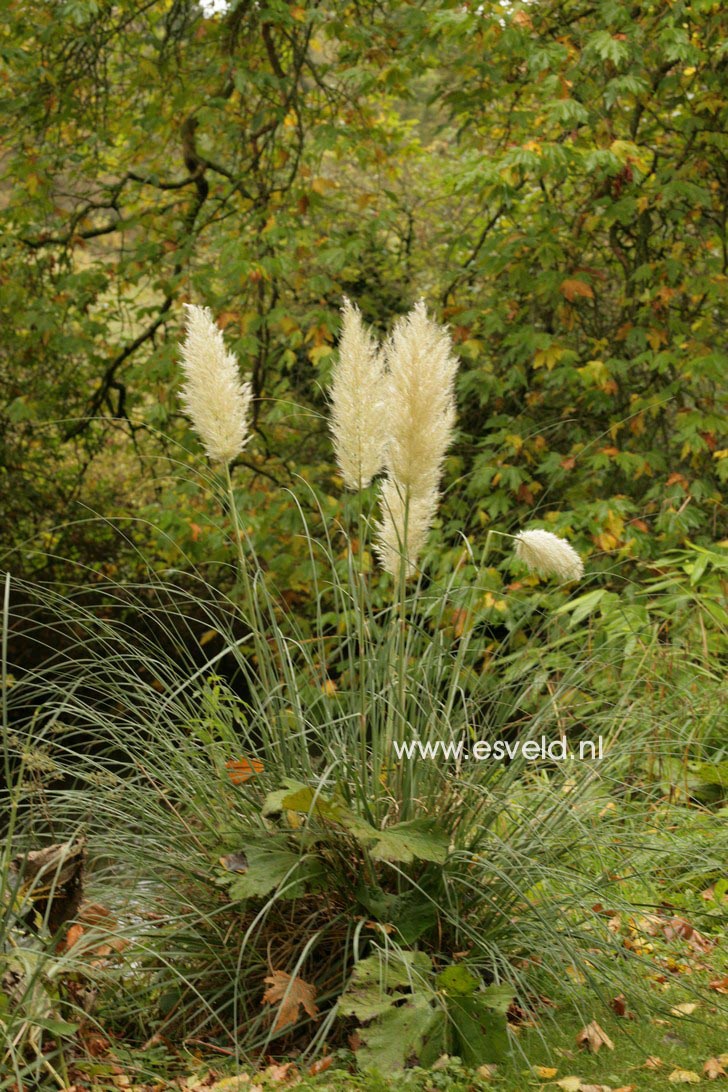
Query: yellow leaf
322,185
684,1076
686,1009
319,353
570,1084
545,1072
594,373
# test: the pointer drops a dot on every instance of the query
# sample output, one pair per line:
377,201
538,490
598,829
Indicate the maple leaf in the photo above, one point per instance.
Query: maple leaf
713,1069
242,769
320,1066
292,994
593,1037
571,288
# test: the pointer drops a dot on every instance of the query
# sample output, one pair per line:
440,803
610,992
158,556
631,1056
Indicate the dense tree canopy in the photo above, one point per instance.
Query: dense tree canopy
550,176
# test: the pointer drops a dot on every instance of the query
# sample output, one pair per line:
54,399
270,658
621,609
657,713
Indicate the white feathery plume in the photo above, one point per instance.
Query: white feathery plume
358,419
548,555
395,542
213,394
420,400
421,416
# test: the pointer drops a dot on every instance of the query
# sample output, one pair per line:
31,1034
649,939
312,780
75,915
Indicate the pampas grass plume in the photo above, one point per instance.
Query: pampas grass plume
358,419
420,398
548,555
397,545
213,395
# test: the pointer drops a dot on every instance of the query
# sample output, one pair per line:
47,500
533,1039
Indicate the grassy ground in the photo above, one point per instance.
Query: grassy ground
686,1043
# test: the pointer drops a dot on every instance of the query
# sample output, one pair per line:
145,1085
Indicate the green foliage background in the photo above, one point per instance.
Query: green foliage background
550,176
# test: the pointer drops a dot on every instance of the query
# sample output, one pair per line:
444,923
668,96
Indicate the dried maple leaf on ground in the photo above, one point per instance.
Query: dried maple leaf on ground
593,1037
320,1066
713,1069
292,994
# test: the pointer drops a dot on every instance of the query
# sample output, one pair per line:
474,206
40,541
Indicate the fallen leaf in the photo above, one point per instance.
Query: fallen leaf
720,985
619,1005
594,1038
595,1088
278,1073
545,1072
74,934
487,1072
235,862
687,1008
320,1066
242,769
292,994
653,1062
713,1069
570,1084
684,1076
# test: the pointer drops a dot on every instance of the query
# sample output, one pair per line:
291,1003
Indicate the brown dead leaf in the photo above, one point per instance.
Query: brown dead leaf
571,288
720,985
684,1076
619,1005
653,1062
242,769
235,862
74,934
713,1069
593,1038
292,994
595,1088
279,1073
320,1066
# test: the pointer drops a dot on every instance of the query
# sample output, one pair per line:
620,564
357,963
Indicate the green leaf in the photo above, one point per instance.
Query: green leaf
480,1030
56,1027
457,979
269,867
399,1035
419,839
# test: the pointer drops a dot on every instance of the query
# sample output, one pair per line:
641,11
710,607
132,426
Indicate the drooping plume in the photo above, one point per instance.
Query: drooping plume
420,392
358,420
548,555
213,395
